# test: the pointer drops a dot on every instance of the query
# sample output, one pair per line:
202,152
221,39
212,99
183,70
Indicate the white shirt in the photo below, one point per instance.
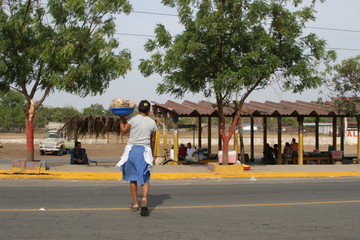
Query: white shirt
190,151
147,156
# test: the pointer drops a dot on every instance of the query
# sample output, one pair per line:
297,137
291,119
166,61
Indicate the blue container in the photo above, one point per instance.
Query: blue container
123,111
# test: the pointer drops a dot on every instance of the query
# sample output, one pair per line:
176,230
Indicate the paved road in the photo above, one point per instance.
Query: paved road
226,209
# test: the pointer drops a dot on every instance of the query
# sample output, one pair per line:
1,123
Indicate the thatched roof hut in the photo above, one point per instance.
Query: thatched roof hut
91,125
80,126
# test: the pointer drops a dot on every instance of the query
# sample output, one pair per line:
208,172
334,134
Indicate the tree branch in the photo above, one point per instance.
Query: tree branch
46,93
38,78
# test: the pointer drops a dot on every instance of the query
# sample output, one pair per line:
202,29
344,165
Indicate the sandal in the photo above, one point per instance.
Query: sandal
134,209
144,209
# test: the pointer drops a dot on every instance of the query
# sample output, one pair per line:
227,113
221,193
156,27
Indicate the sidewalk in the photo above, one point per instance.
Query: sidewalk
107,171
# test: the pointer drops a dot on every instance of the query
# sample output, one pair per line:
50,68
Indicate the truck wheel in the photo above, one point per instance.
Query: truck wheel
42,152
60,152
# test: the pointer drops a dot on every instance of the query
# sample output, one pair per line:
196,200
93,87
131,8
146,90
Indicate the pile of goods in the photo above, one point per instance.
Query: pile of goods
122,103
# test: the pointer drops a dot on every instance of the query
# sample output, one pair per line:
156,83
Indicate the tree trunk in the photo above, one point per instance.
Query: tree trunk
29,127
226,138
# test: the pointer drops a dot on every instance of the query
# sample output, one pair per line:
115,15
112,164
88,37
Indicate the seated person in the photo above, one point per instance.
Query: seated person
275,152
182,152
287,152
268,154
191,154
78,155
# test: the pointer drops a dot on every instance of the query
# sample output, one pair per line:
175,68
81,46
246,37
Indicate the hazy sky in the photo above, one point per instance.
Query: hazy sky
334,14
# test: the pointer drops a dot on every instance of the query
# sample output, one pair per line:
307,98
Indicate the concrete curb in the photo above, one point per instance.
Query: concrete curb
6,174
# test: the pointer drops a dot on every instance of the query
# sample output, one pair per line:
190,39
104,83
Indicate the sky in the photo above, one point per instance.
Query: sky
340,16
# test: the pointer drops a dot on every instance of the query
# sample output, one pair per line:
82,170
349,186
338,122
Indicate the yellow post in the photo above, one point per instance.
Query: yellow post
165,136
176,148
301,142
236,141
157,142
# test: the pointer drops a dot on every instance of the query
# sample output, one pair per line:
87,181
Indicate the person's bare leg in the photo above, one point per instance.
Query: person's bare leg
133,189
145,190
144,208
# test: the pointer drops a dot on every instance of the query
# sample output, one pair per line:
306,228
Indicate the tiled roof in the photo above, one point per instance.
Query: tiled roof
252,108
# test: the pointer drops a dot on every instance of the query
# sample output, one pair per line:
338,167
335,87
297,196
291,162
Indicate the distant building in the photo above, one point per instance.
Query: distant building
247,128
324,128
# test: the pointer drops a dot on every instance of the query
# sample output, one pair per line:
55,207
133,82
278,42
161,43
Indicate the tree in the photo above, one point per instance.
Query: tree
95,110
344,85
228,49
59,46
12,107
43,115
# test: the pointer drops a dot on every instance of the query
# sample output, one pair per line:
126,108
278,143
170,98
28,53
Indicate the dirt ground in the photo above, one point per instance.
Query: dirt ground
12,151
113,149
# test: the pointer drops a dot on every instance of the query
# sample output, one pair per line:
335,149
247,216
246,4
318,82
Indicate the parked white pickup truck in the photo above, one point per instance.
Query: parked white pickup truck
55,143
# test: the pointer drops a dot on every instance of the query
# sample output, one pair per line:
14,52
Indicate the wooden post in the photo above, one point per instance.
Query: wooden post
279,160
317,145
165,136
209,135
342,134
334,134
199,132
264,133
252,139
219,134
301,141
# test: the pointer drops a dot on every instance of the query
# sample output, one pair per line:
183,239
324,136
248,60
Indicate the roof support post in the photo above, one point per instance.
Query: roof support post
358,139
75,136
157,141
264,133
334,134
199,132
209,135
342,133
279,158
165,134
317,145
301,140
219,134
236,142
252,159
176,147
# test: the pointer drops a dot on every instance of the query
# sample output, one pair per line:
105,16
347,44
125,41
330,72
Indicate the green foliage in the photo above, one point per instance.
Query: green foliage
49,114
12,107
345,85
231,48
61,45
96,110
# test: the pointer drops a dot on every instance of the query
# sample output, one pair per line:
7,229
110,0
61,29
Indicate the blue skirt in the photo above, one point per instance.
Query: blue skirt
135,168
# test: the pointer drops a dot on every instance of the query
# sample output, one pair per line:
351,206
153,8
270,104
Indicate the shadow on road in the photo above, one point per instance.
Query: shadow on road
157,200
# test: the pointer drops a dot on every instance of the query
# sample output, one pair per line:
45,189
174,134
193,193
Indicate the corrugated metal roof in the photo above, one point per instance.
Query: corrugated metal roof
203,110
252,108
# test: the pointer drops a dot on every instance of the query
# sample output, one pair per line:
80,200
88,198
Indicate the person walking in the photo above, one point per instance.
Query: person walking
137,160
